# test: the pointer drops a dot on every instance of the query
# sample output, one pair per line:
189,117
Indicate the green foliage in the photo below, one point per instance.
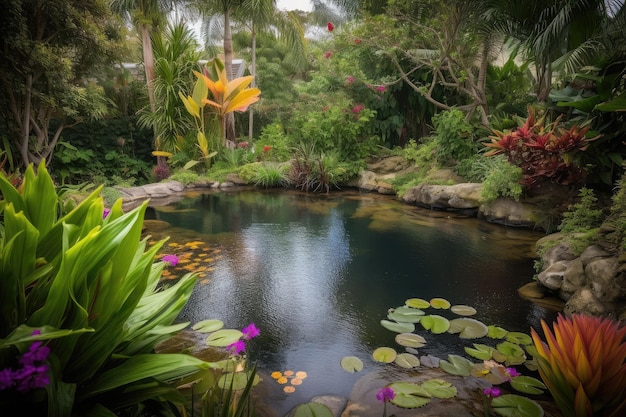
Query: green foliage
508,87
270,174
582,216
185,177
498,176
274,135
420,154
617,217
454,137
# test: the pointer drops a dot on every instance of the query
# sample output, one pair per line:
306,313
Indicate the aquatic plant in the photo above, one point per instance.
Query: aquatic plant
583,364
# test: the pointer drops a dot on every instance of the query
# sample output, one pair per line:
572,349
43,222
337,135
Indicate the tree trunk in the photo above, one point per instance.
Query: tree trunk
148,64
253,84
229,133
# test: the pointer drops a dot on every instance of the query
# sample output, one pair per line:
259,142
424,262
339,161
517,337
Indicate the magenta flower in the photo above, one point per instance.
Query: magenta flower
328,54
33,372
6,378
237,347
105,213
349,80
385,394
512,372
381,89
250,331
172,260
358,108
492,392
330,27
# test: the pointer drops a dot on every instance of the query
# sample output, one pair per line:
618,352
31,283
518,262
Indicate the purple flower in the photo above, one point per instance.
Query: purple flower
250,331
512,372
105,213
492,392
385,394
31,377
36,353
237,347
6,378
381,89
172,260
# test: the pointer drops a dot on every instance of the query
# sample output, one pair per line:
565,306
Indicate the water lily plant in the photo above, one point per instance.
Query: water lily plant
583,364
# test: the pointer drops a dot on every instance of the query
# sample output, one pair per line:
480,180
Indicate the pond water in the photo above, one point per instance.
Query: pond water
317,273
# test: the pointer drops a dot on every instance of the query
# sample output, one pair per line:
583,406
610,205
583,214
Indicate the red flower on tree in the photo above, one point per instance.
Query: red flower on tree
330,27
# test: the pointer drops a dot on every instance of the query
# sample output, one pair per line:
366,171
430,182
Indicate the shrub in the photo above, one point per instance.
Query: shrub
269,174
501,180
185,177
454,136
583,215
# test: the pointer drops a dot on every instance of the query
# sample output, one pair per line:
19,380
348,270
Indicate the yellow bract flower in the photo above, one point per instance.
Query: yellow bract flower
276,374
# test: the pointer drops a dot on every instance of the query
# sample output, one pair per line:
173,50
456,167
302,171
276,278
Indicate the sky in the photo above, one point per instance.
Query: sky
294,5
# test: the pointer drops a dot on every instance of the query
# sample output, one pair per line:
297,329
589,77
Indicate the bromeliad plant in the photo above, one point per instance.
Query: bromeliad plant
544,151
583,365
82,287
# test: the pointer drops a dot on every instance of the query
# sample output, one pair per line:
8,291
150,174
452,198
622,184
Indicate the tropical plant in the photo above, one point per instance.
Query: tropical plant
501,180
454,137
583,365
80,301
584,215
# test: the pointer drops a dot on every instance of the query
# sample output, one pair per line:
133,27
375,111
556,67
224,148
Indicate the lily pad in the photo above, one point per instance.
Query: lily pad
405,315
208,326
312,409
238,380
456,365
519,338
496,332
510,349
430,361
398,327
223,337
410,340
407,361
409,395
527,384
384,354
436,324
417,303
468,328
440,303
351,364
439,388
479,351
511,405
463,310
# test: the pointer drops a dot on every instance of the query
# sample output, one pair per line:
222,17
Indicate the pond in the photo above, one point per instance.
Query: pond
317,274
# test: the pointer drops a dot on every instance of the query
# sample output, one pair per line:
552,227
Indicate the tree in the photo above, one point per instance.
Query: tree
50,51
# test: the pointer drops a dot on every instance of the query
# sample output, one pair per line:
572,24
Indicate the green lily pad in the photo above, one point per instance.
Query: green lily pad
430,361
511,405
515,360
510,349
223,337
239,380
440,303
456,365
312,409
531,365
519,338
398,327
409,395
436,324
417,303
479,351
410,340
384,354
439,388
496,332
407,361
463,310
527,384
468,328
351,364
405,315
208,326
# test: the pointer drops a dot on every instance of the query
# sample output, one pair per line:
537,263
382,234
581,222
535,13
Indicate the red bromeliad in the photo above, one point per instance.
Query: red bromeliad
583,365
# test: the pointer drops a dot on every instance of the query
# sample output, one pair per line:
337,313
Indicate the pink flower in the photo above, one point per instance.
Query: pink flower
250,331
105,213
357,41
358,108
385,394
512,372
172,260
328,54
237,347
243,144
492,392
381,89
349,80
330,27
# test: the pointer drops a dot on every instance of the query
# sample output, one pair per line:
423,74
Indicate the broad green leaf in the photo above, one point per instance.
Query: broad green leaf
23,334
398,327
208,326
511,405
456,365
224,337
239,380
351,364
410,340
463,310
312,409
618,104
436,324
384,354
519,338
407,361
527,384
496,332
409,395
510,349
439,388
417,303
405,315
468,328
482,352
440,303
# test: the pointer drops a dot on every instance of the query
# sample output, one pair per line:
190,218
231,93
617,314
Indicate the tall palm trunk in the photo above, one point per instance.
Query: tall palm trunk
229,127
253,84
148,63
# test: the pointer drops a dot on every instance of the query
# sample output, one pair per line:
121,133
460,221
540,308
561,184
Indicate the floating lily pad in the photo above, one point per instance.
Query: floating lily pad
208,326
436,324
527,384
479,351
430,361
410,340
439,388
312,409
409,395
468,328
510,349
463,310
351,364
398,327
384,354
456,365
440,303
223,337
519,338
406,315
496,332
238,380
511,405
417,303
407,361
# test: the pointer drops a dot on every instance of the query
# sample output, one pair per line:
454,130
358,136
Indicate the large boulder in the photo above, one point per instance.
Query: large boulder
510,212
458,196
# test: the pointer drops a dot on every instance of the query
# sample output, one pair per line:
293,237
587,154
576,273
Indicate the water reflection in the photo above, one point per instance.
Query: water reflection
318,273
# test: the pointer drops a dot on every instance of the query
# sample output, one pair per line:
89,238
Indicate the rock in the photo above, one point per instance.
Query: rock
459,196
601,277
540,295
389,165
573,278
509,212
370,181
560,252
235,179
552,277
593,252
585,302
